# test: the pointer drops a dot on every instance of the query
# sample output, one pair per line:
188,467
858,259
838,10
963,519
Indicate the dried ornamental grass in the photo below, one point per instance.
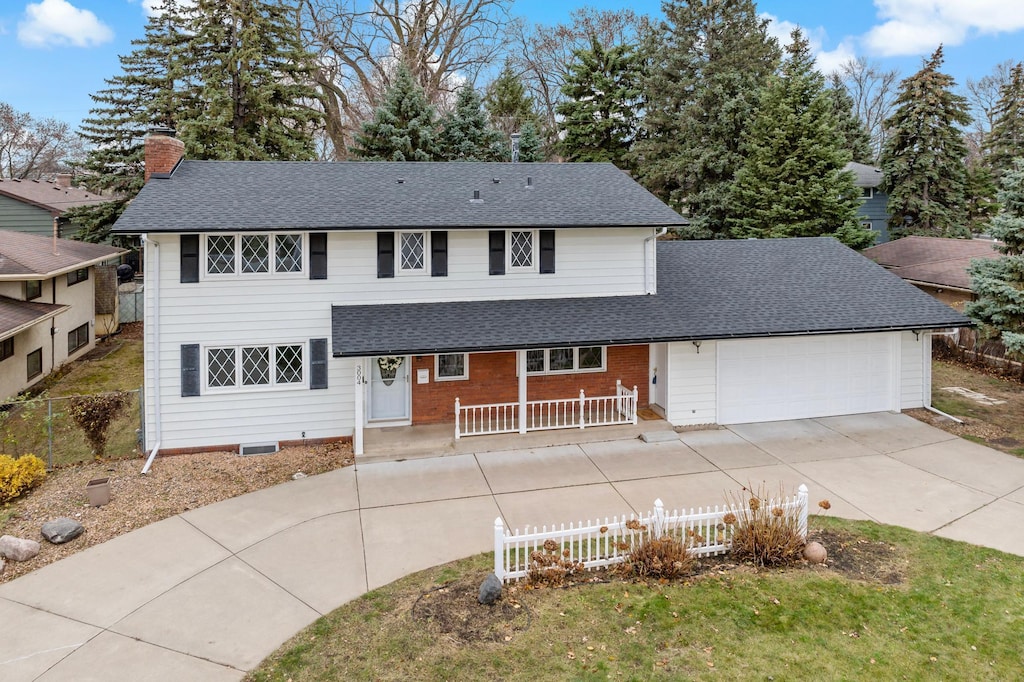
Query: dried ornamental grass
663,557
763,531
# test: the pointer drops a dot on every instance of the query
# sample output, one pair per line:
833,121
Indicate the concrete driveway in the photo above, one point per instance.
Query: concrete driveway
208,594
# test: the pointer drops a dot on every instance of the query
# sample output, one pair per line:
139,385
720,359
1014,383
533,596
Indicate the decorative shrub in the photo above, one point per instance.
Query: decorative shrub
763,531
551,567
94,414
18,476
659,558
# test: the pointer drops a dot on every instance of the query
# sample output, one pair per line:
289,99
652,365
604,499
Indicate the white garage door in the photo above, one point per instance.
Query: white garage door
763,380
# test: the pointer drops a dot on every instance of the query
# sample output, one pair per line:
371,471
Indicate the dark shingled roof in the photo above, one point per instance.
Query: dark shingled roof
205,196
706,290
16,315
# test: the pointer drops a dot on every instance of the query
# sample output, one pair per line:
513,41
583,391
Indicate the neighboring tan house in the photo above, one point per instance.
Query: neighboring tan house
937,265
32,205
873,211
291,301
49,308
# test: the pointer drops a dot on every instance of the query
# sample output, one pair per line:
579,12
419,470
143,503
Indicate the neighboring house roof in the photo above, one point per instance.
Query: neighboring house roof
16,315
31,256
706,290
864,175
937,261
210,196
50,196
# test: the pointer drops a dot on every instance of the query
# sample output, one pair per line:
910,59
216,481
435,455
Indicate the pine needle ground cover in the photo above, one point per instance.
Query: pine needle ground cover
889,604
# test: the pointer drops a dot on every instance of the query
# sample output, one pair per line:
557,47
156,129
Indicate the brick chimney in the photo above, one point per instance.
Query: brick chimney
63,180
163,151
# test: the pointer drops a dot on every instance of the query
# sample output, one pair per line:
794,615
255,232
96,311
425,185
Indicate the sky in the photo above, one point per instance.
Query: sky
54,53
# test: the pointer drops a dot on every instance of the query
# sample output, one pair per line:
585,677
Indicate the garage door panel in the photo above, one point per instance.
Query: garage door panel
795,378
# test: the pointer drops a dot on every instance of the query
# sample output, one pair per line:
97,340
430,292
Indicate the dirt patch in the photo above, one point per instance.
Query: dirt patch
452,611
859,558
130,331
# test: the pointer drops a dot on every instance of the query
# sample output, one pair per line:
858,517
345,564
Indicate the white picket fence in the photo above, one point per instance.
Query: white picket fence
597,544
544,415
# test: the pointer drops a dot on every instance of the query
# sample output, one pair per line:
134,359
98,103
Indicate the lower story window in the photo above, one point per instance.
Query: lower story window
78,337
6,348
565,360
35,363
451,367
248,366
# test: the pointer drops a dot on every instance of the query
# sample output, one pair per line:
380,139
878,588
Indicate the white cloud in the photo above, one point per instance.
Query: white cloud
57,22
911,27
152,8
827,61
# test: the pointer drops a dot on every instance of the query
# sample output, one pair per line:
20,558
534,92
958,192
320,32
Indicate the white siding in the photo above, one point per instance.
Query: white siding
692,395
915,354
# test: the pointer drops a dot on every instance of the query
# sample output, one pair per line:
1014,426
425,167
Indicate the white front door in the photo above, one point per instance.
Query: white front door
389,389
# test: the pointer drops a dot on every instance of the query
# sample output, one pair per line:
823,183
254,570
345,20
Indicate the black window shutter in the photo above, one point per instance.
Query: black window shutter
318,255
547,252
385,254
189,370
438,254
497,252
189,258
318,363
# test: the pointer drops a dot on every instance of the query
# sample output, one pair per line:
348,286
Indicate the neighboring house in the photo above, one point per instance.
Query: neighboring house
873,211
50,311
290,301
32,205
937,265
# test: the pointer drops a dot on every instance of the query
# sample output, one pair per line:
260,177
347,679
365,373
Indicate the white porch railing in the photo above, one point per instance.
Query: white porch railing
543,415
596,544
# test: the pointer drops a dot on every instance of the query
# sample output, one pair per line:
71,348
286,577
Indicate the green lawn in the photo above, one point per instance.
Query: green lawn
923,608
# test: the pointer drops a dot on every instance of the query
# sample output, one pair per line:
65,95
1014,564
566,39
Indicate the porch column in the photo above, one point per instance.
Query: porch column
521,371
357,434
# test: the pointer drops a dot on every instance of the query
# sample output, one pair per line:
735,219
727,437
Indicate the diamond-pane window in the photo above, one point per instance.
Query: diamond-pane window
591,357
534,361
288,253
256,366
561,359
521,251
220,367
413,251
220,254
451,366
255,253
289,364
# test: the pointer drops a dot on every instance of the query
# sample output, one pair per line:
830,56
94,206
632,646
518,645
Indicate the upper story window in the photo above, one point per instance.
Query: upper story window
867,192
412,252
7,348
248,254
565,360
33,289
79,275
521,249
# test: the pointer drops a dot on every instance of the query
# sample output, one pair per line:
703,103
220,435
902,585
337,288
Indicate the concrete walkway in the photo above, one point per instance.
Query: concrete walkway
208,594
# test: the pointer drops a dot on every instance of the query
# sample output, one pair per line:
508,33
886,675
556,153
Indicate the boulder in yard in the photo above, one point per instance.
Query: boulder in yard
61,530
18,549
490,589
815,552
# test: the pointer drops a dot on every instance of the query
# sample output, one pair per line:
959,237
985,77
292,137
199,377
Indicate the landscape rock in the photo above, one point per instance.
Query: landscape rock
490,589
815,552
298,475
2,566
61,530
18,549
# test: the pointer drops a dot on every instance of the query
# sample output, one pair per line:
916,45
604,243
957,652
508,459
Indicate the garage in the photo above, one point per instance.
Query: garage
810,376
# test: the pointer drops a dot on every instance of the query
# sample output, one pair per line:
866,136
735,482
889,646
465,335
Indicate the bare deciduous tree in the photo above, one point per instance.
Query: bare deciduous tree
982,96
873,91
32,148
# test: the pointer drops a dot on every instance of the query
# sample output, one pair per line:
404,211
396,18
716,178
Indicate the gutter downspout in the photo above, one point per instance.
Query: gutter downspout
154,284
651,279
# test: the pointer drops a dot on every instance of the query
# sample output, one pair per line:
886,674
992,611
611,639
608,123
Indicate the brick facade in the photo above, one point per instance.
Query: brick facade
162,153
492,379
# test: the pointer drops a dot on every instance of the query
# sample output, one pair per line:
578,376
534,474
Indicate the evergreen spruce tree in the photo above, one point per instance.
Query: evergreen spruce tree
980,197
531,146
507,104
1006,141
855,133
707,63
251,77
599,116
466,134
403,127
923,157
792,182
999,283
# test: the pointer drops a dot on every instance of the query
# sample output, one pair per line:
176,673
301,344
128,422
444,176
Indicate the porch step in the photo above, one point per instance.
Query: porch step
658,436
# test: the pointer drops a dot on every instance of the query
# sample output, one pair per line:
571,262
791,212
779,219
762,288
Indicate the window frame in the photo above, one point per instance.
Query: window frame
465,368
78,276
28,293
576,369
407,272
38,352
238,260
867,193
7,348
238,385
77,331
534,265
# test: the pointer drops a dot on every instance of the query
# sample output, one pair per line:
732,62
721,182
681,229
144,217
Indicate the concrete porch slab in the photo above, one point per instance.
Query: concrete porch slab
115,658
32,641
790,479
677,492
895,492
971,464
412,537
420,480
886,432
229,614
243,521
555,506
622,460
319,561
988,527
555,467
726,450
123,573
803,440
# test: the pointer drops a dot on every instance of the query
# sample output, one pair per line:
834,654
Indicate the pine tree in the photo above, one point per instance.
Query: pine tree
857,139
251,77
531,146
792,182
403,127
507,104
466,134
599,116
923,158
980,197
707,63
999,283
1006,141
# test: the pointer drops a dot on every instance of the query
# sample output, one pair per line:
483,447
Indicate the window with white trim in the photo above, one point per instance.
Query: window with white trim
451,367
412,252
565,360
254,254
255,366
867,192
522,250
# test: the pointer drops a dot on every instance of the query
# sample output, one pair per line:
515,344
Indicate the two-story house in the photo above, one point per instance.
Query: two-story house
290,301
873,211
34,206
